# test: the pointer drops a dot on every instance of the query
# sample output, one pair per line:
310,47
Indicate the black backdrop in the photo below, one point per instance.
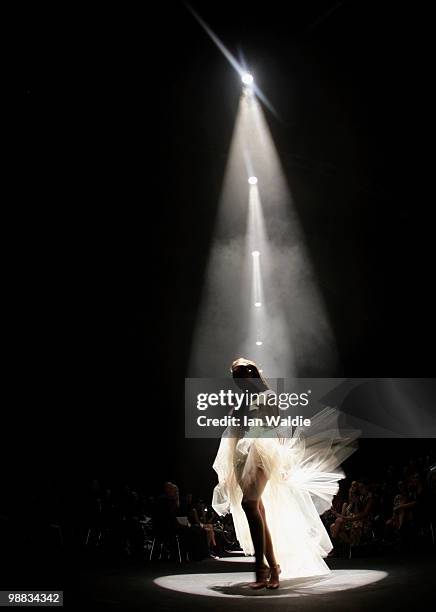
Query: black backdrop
127,124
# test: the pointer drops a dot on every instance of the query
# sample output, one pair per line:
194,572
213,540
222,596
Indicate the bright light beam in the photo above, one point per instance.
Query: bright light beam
267,325
291,323
247,78
233,61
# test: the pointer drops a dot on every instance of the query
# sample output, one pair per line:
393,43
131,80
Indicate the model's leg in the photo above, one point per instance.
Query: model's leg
269,550
250,505
274,581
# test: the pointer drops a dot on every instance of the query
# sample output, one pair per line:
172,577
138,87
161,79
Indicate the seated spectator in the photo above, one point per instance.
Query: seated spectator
418,502
400,513
353,521
197,518
165,523
165,510
131,514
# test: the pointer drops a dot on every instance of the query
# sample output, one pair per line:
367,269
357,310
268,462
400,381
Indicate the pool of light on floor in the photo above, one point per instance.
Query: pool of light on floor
235,584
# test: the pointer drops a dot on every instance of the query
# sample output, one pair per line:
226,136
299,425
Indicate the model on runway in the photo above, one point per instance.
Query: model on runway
276,484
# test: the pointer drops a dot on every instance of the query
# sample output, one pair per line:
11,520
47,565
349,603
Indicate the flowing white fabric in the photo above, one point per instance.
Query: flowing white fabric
303,474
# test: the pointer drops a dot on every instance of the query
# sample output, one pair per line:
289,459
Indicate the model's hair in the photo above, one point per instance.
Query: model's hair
248,363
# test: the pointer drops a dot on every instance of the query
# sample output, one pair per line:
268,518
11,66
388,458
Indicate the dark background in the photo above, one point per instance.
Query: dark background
128,118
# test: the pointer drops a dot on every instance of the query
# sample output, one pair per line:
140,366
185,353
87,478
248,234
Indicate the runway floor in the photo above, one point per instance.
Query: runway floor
396,583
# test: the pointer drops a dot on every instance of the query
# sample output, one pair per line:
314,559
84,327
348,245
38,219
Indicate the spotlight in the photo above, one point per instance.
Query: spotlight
255,253
247,78
258,304
259,342
252,180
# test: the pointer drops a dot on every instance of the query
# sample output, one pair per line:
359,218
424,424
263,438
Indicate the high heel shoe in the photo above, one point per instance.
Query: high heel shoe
274,582
262,575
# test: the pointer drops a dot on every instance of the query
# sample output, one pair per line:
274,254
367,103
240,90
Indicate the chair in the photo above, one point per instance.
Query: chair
167,540
427,529
93,535
58,530
367,539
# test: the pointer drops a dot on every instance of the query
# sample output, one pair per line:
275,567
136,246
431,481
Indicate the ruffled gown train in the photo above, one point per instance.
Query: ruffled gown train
303,474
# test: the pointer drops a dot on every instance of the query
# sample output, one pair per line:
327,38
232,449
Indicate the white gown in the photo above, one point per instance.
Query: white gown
303,474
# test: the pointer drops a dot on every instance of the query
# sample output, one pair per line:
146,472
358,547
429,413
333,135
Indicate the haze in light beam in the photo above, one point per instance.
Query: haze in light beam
296,335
